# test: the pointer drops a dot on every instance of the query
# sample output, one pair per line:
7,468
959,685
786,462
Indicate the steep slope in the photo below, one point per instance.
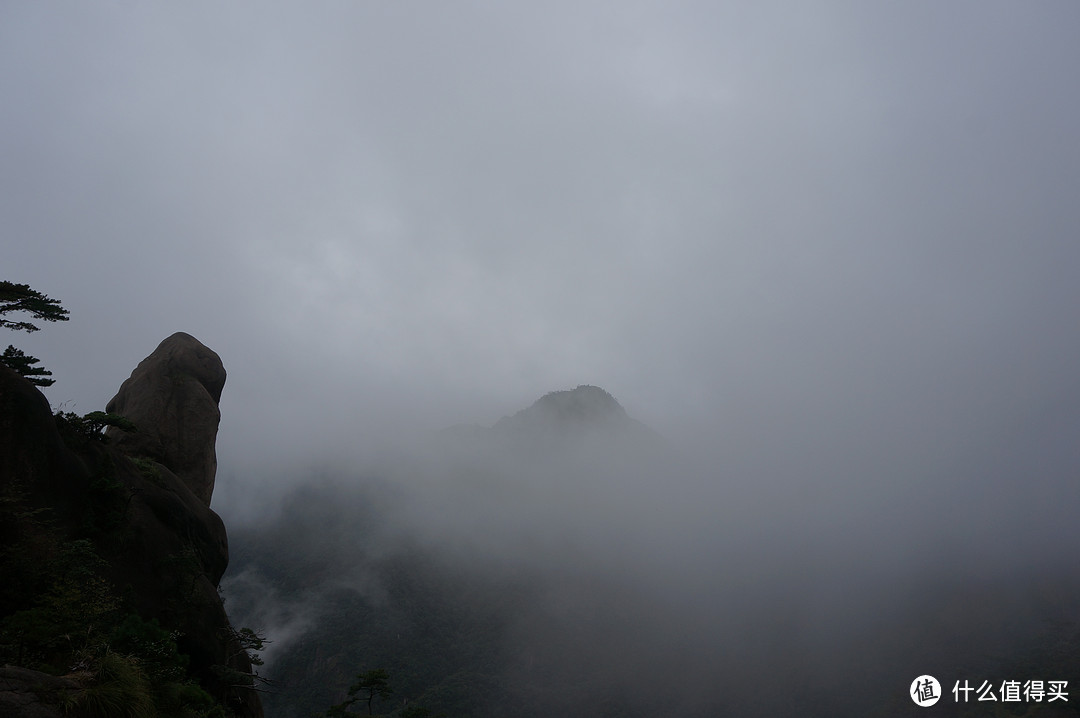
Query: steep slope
112,561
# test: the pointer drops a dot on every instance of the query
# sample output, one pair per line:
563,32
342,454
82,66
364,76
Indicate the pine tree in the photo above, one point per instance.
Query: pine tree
24,364
21,298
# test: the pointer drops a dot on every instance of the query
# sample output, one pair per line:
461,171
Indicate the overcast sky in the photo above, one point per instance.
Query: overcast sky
844,229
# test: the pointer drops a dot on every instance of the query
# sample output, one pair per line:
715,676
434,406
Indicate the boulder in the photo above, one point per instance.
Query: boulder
31,694
33,457
172,398
164,549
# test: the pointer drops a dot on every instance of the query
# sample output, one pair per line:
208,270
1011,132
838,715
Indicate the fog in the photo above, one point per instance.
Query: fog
827,253
736,586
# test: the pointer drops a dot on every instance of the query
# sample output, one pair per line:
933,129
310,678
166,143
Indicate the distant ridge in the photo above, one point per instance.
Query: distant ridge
586,404
586,412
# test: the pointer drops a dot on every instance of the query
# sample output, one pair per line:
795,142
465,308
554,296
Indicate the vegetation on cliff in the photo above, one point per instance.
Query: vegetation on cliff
110,569
21,298
69,603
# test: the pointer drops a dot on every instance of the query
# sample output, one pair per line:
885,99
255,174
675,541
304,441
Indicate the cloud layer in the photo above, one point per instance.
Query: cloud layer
829,253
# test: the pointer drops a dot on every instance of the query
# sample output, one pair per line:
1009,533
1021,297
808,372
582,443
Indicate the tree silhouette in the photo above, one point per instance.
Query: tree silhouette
21,298
375,683
24,364
368,684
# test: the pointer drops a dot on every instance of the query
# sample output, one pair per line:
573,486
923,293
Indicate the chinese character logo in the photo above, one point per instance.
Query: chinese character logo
1011,691
925,691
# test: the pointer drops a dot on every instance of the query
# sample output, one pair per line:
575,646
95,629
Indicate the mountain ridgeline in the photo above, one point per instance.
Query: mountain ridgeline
584,409
563,420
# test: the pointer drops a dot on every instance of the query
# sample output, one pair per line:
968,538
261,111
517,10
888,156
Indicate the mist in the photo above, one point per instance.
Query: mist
738,581
827,255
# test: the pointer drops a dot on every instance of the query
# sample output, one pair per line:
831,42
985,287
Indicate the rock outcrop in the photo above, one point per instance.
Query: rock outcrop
31,694
172,398
138,507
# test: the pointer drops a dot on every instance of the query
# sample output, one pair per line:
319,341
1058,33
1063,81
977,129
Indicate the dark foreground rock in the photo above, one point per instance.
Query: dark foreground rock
33,694
139,508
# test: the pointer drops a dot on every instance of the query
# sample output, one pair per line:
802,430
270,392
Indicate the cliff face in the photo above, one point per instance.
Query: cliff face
172,397
109,542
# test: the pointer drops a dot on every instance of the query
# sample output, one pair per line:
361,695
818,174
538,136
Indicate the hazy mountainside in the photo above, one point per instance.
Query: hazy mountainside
511,571
358,573
560,423
585,411
111,556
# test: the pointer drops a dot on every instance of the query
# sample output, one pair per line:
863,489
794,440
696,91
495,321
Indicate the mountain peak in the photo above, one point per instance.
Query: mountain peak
586,413
585,403
583,407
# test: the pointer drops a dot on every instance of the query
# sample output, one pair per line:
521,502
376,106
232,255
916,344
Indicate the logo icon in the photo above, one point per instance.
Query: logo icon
925,691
